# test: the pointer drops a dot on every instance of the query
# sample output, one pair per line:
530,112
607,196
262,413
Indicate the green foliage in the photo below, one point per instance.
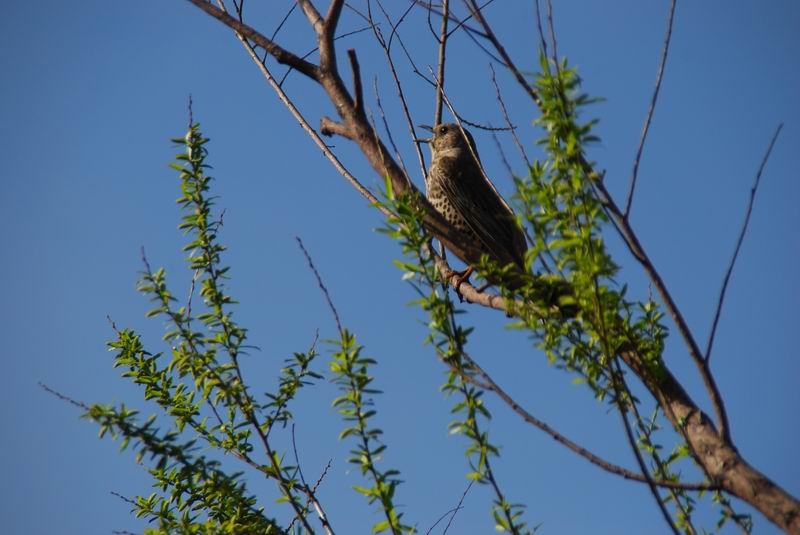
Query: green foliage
195,494
568,301
573,308
200,388
449,339
351,372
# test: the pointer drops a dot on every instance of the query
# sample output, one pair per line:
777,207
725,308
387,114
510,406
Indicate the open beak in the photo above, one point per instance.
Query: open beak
424,140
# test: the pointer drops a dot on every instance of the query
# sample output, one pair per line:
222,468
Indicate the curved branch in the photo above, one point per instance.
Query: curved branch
488,383
749,210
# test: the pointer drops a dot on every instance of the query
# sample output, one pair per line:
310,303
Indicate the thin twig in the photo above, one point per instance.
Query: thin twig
506,59
503,158
310,52
321,285
437,116
659,77
635,247
310,492
458,507
542,40
63,397
647,433
428,6
552,32
283,21
638,454
462,22
123,498
488,383
386,47
246,32
508,119
746,222
387,128
337,164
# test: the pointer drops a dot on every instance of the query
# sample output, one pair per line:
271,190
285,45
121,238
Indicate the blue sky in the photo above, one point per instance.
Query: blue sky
91,94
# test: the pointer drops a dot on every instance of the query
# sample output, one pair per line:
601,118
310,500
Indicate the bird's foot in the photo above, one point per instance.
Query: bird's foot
460,278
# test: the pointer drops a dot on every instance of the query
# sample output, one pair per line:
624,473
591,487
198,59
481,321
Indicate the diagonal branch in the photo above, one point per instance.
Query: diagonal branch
488,383
749,210
646,128
508,119
638,252
713,449
322,287
635,247
280,54
635,449
476,13
386,46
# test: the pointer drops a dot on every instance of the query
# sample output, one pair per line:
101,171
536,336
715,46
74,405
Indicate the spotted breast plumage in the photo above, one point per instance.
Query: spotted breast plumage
459,190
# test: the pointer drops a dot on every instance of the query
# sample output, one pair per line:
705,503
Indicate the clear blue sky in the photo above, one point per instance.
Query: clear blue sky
92,92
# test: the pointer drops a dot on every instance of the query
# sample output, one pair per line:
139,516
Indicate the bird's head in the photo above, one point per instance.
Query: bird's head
448,140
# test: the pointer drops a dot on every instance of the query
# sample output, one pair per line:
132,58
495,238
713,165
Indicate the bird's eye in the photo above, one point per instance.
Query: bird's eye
442,129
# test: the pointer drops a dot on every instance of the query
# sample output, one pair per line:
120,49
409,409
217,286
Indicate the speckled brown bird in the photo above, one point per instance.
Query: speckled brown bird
463,195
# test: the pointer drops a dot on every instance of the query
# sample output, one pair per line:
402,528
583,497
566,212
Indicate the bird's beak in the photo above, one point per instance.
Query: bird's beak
424,140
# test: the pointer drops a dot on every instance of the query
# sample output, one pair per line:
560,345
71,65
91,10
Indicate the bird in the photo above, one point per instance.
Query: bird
459,190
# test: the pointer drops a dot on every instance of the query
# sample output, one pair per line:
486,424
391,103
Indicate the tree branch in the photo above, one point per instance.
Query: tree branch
638,252
746,222
437,116
358,91
712,449
507,119
280,54
646,128
488,383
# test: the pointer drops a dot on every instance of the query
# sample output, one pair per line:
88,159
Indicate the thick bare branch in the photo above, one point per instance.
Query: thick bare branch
311,13
712,449
387,50
358,91
280,54
636,249
719,460
630,238
332,18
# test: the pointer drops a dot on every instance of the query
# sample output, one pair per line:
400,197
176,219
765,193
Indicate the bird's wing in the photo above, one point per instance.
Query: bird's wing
484,210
